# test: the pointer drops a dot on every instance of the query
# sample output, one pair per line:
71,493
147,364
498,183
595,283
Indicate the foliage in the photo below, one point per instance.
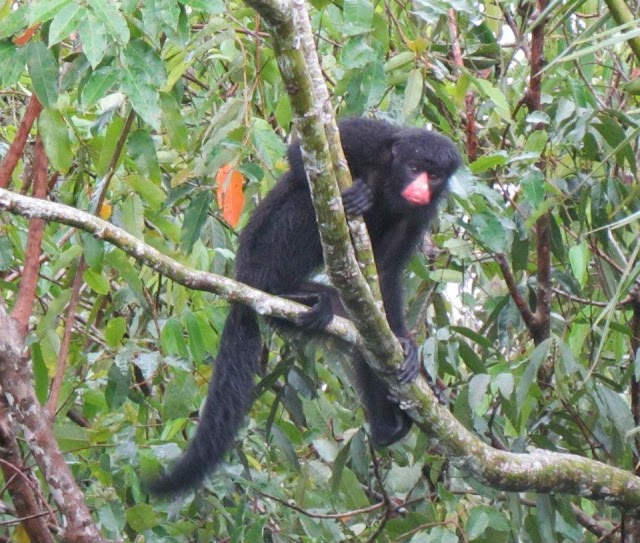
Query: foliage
202,82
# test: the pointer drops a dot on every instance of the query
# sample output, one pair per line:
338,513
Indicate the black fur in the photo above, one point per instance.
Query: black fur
280,247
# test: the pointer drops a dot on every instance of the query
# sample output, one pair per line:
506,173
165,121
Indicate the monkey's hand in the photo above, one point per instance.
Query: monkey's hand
319,315
357,199
411,367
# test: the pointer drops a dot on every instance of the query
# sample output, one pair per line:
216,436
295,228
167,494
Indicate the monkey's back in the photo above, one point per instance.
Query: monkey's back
280,245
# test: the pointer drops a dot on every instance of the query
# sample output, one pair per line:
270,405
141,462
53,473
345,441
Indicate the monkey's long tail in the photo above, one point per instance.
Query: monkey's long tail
228,402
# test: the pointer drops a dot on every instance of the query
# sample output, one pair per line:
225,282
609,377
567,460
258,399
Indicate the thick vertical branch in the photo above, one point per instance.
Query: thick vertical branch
17,145
27,292
542,314
16,378
20,483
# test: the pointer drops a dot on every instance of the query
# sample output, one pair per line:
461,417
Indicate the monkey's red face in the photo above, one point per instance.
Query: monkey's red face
417,192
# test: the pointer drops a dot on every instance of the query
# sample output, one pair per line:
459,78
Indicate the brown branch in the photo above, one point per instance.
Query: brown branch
516,296
16,378
61,363
542,314
27,292
17,145
469,100
19,483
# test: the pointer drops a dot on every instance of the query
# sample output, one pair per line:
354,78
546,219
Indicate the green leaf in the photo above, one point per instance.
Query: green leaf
144,97
43,71
168,11
115,331
143,152
99,83
14,22
194,219
412,93
488,162
133,216
151,193
579,258
117,387
93,34
12,63
196,340
172,339
179,395
173,122
358,17
116,25
66,22
45,10
139,57
141,517
55,137
96,281
496,96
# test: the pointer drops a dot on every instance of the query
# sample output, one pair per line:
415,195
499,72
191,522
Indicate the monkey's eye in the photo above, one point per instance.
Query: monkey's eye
415,170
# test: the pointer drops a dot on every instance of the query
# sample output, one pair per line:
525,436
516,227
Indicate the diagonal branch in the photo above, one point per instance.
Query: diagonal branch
538,471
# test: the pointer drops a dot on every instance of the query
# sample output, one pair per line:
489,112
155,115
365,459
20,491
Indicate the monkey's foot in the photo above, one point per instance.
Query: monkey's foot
357,199
411,367
319,315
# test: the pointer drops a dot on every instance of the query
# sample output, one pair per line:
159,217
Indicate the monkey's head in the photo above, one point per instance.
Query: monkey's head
422,163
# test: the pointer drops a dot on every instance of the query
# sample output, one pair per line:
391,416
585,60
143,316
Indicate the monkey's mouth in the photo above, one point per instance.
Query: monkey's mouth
418,195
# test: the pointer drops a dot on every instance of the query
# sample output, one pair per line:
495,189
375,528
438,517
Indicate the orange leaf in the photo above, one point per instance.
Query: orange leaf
105,211
26,36
230,194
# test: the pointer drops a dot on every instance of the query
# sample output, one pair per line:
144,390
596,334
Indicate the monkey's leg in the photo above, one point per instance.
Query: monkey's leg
323,302
387,421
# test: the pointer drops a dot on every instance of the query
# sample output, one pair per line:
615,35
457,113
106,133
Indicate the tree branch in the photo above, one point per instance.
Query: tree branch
541,471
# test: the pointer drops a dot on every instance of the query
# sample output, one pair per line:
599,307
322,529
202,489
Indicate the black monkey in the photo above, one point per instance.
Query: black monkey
400,175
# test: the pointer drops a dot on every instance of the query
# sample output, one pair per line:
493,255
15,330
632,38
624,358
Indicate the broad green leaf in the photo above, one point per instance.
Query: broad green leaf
196,340
96,281
117,387
99,83
14,22
412,93
496,96
55,137
172,337
12,63
173,122
168,11
399,60
358,17
151,192
133,215
66,22
45,10
44,73
579,259
143,152
141,517
144,97
478,387
194,219
115,331
93,34
178,399
141,58
116,25
489,162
